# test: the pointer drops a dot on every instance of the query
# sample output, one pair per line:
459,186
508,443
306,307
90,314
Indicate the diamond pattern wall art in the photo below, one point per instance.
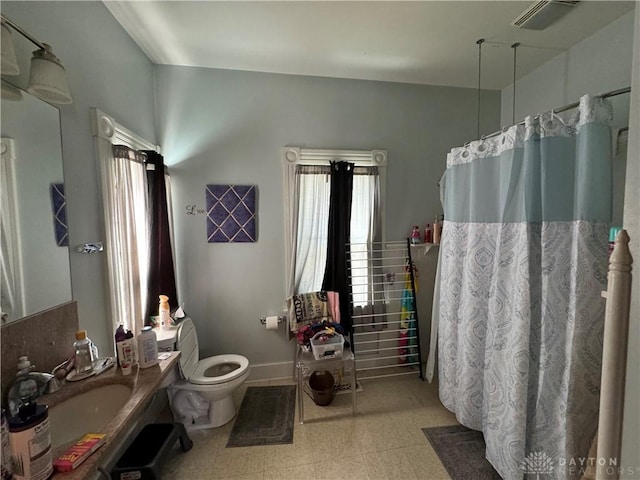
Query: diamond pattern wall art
59,207
231,213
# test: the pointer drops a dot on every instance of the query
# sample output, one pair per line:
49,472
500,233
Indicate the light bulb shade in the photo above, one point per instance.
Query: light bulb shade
47,78
9,64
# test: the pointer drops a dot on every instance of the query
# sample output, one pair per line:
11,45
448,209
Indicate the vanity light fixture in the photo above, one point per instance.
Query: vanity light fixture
47,77
9,60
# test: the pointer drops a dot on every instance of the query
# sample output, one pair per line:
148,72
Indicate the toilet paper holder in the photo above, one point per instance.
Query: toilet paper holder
281,318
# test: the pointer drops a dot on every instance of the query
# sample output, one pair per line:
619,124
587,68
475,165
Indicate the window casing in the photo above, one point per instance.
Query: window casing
125,217
307,192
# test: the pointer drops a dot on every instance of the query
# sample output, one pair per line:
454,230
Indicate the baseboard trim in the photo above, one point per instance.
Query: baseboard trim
270,371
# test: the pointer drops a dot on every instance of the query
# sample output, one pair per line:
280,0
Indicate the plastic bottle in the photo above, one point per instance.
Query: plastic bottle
30,439
147,348
27,387
28,424
7,467
415,235
428,237
84,353
613,233
437,231
125,350
164,312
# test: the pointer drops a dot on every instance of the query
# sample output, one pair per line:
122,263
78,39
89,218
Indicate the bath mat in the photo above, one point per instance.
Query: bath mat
265,417
461,451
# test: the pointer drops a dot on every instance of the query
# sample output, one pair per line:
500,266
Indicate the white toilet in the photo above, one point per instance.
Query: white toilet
203,397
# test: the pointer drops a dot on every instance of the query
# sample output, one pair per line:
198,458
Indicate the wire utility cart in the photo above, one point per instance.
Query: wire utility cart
306,364
385,334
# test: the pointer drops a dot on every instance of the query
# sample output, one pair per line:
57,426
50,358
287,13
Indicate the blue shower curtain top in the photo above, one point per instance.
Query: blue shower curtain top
549,169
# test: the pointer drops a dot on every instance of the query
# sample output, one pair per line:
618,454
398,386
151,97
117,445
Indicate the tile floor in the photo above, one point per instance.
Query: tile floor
383,441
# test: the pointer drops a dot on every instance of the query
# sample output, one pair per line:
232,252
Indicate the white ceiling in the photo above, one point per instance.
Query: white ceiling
424,42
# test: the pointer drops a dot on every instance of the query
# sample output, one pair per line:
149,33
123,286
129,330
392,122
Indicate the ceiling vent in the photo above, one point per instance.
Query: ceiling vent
541,14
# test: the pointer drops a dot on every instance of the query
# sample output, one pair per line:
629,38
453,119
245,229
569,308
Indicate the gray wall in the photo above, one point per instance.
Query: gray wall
106,69
600,63
227,127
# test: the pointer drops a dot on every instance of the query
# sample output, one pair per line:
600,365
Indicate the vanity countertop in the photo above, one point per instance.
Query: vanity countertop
143,383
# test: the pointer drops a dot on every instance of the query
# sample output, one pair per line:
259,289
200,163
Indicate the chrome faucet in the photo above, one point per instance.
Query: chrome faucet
59,374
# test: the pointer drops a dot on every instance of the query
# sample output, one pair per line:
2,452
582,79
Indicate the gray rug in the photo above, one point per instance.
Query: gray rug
461,451
265,417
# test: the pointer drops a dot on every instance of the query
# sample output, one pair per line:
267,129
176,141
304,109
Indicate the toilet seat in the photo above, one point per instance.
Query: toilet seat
195,370
199,376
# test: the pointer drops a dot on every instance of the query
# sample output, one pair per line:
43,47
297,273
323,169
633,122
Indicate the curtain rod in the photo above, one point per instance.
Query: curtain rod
612,93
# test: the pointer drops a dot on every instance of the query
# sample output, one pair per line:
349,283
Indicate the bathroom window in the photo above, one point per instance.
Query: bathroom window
307,187
124,198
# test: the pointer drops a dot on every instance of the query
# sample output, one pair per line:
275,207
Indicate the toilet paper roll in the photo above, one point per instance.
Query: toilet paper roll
272,322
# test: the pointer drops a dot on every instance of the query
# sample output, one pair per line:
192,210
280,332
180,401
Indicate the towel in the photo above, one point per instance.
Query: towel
407,345
307,308
334,306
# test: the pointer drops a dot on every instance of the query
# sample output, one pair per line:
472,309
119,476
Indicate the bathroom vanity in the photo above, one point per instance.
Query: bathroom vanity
122,427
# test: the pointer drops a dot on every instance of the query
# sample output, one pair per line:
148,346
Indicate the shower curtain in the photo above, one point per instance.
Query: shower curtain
523,259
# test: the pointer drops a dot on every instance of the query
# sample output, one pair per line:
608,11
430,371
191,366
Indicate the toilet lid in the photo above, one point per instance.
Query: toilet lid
187,343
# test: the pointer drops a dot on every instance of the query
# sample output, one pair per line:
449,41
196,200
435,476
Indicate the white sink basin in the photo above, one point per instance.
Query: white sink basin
87,412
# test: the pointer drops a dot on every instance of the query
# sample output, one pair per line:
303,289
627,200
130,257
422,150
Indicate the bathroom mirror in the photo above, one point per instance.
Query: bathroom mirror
35,273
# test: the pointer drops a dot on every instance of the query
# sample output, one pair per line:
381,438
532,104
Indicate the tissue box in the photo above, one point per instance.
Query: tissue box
324,347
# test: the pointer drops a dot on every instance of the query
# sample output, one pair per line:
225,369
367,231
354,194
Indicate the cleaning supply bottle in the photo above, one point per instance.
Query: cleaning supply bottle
415,235
7,463
30,441
27,386
428,237
28,425
147,348
125,350
437,230
84,353
164,312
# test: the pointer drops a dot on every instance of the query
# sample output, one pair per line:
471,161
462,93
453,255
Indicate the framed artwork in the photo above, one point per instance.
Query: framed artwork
59,207
231,213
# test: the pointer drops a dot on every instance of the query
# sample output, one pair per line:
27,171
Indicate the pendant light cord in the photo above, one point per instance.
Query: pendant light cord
513,113
479,43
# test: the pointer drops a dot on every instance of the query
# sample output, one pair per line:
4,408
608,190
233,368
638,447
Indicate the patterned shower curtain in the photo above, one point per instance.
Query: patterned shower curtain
523,259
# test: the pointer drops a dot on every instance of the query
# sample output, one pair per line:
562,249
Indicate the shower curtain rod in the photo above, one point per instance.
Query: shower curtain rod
612,93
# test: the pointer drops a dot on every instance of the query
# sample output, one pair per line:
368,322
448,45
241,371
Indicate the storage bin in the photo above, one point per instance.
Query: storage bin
324,346
322,385
141,461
